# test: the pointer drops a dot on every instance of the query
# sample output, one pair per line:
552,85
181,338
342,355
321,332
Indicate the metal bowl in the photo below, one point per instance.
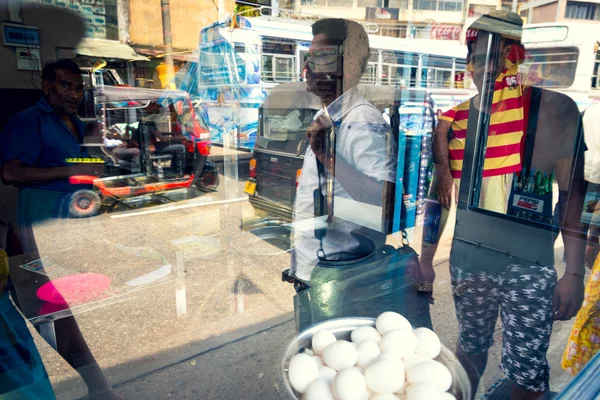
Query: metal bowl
343,327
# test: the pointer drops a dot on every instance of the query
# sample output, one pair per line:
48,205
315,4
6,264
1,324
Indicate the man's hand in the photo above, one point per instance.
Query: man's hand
316,136
445,186
87,169
568,296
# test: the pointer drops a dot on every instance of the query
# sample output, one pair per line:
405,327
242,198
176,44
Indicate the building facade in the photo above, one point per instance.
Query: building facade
584,11
418,19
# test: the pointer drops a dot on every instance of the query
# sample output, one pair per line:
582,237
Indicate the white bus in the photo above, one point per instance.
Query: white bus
564,56
438,66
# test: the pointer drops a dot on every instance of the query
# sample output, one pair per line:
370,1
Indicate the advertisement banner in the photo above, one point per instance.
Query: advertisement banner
445,32
378,13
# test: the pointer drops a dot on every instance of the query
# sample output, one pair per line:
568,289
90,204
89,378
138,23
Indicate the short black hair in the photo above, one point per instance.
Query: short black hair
49,71
333,28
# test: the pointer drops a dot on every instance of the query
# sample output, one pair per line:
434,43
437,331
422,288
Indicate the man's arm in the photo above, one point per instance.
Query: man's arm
16,172
568,294
442,163
359,186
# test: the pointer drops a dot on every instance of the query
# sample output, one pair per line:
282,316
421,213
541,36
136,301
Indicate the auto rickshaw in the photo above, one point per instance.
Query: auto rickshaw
152,145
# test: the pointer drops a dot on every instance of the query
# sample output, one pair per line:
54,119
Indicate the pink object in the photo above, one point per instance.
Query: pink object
74,289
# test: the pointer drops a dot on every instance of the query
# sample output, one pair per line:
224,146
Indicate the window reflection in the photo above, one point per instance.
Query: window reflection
288,171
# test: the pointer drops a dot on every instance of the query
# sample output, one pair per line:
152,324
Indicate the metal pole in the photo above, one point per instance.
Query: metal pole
514,5
167,37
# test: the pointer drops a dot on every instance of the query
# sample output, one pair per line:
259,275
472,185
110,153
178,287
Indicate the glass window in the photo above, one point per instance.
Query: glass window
579,10
554,67
370,3
425,5
267,68
188,239
284,68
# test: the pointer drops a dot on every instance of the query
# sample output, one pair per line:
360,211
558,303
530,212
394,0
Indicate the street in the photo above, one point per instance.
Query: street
216,326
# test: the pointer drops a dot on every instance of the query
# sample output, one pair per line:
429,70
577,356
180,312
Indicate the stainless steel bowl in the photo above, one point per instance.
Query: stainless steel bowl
343,327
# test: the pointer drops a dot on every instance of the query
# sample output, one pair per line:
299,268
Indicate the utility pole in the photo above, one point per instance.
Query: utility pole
167,37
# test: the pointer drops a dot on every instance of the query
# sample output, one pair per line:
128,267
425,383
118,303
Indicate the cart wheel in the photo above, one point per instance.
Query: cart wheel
84,203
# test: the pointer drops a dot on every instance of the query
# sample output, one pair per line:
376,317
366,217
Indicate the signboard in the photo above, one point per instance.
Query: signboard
378,13
445,32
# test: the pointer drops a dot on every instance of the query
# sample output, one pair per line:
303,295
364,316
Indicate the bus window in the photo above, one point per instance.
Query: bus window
370,75
551,67
439,78
283,69
267,68
240,47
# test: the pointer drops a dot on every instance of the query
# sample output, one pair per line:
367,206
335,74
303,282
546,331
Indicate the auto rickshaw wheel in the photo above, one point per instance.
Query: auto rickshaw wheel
208,182
84,203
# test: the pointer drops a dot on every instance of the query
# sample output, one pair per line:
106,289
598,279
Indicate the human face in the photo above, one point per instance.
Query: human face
477,60
322,68
64,93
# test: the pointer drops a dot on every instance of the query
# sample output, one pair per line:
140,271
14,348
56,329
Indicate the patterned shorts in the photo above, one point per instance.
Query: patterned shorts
523,295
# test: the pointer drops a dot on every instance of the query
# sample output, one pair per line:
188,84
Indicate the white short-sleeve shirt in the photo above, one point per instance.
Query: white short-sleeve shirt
362,139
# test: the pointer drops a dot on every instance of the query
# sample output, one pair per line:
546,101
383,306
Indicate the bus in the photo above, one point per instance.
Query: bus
411,63
564,56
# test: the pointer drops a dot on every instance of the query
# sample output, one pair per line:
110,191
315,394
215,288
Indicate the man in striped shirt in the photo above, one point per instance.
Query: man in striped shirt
485,281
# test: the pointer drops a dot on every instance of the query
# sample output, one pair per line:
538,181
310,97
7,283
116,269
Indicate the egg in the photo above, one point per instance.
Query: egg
385,376
389,321
429,344
340,355
368,351
302,371
349,384
430,372
318,361
413,360
322,339
363,333
366,395
402,343
389,356
384,397
319,389
327,373
420,391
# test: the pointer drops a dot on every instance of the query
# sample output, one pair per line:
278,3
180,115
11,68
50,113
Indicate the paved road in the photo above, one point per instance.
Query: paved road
238,314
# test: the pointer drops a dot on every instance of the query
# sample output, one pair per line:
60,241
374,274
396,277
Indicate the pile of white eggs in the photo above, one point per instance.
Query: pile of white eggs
390,362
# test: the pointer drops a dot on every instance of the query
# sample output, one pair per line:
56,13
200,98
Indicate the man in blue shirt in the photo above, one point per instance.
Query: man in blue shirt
37,141
33,151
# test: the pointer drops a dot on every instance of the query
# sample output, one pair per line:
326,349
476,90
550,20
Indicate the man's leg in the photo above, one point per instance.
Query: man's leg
474,365
526,313
476,302
37,206
177,151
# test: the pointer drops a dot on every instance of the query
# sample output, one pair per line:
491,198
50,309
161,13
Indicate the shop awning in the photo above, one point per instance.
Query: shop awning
108,49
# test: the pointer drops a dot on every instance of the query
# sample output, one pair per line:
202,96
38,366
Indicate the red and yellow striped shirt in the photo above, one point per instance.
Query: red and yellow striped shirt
503,153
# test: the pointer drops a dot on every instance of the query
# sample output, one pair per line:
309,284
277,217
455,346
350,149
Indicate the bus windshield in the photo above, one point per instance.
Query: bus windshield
553,67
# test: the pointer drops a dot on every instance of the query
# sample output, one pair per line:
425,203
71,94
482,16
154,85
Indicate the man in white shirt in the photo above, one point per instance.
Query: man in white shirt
363,161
